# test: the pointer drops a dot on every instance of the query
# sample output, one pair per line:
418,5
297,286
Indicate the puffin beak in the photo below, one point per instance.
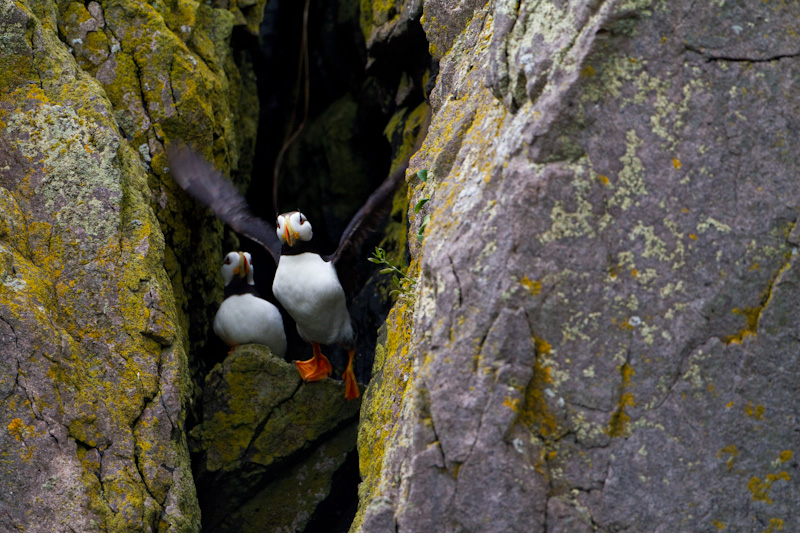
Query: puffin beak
241,268
246,264
288,234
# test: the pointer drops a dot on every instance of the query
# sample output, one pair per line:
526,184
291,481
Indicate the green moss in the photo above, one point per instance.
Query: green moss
376,13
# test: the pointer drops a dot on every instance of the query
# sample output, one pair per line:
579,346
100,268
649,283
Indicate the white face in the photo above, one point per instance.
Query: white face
235,264
293,227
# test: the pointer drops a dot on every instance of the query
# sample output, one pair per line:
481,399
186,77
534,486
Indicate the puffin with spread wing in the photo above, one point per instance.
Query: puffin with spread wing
306,283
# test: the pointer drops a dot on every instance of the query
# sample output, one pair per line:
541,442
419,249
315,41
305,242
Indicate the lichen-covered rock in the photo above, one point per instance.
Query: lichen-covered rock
261,432
293,497
93,367
603,336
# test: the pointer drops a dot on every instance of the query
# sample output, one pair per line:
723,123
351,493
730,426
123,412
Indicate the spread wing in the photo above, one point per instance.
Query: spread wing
377,205
208,186
369,216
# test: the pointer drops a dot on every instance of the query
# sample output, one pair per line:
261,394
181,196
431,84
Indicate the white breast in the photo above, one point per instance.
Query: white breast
244,319
309,289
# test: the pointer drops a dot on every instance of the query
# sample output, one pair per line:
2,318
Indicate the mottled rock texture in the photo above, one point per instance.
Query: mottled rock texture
263,463
604,334
94,377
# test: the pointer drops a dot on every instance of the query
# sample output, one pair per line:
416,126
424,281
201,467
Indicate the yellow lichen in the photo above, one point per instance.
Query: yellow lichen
535,413
534,287
618,425
752,316
775,524
756,411
760,488
732,453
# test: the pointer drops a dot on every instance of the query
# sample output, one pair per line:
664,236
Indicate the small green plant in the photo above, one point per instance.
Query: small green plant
404,285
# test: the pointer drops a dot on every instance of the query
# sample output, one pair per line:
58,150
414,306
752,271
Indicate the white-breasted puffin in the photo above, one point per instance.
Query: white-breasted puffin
306,283
243,317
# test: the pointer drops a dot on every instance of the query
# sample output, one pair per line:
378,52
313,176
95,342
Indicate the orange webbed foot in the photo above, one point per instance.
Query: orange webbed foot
316,368
350,386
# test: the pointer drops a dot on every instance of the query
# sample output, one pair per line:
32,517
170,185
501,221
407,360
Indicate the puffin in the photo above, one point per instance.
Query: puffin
244,317
306,283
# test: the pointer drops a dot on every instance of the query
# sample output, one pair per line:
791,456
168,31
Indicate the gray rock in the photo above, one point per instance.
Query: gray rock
602,337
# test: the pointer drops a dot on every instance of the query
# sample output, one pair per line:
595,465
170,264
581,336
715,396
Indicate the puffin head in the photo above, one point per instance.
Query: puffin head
292,227
236,264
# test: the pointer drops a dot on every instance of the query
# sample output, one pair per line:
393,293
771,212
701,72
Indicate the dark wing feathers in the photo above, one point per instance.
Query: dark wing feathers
208,186
369,216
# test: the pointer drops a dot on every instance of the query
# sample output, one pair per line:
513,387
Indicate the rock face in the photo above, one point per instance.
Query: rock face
263,463
603,335
94,377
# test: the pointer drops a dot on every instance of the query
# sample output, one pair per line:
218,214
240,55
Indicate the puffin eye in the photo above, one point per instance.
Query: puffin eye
302,219
227,260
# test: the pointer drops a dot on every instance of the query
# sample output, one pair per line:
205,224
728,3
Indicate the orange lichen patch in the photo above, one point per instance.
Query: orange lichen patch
534,287
719,525
693,236
588,71
19,430
786,455
676,163
754,266
602,178
634,272
22,432
535,413
542,346
618,425
752,315
760,488
732,453
624,325
511,403
729,404
756,412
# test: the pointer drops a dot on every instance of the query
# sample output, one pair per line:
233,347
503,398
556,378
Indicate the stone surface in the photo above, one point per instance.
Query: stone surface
93,372
602,337
265,445
96,248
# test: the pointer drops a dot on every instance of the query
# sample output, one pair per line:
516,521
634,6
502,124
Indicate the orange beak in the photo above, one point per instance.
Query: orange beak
246,264
242,268
288,233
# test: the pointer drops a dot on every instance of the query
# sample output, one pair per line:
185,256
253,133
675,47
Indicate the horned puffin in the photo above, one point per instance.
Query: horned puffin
243,317
306,282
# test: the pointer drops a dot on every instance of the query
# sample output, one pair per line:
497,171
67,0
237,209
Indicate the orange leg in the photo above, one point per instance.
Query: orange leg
350,385
316,368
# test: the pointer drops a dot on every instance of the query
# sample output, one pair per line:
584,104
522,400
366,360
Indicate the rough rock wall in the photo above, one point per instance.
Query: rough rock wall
94,377
603,335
